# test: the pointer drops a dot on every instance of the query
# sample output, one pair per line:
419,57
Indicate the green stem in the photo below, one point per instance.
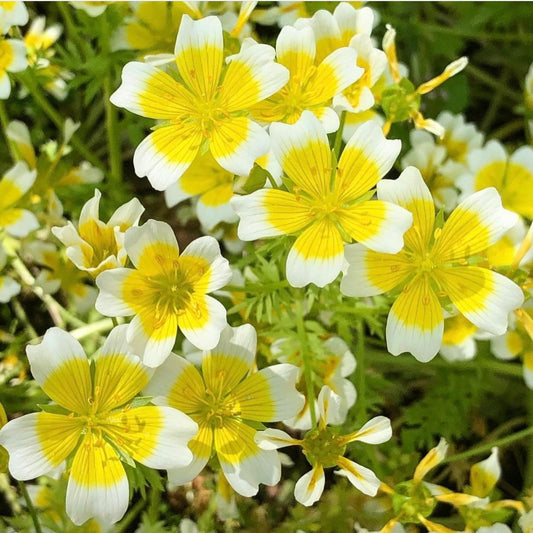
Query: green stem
23,317
129,518
458,32
96,327
360,371
507,129
528,475
153,505
72,29
4,120
338,136
484,448
495,84
31,508
39,98
306,355
114,321
113,136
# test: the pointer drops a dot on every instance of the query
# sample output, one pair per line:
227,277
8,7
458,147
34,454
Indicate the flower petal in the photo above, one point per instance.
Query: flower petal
61,367
237,142
415,323
473,226
115,287
199,53
377,224
167,153
98,485
370,273
316,256
38,443
303,152
269,395
375,431
310,486
244,464
360,477
154,436
273,439
366,158
484,297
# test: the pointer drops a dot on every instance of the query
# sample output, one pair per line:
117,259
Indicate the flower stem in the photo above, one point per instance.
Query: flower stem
360,371
113,137
130,517
478,450
39,98
338,136
31,508
4,120
306,358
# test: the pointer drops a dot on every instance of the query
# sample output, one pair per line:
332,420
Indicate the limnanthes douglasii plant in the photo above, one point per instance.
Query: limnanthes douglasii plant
316,312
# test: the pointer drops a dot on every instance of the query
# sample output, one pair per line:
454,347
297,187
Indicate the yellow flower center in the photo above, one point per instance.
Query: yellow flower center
6,55
217,407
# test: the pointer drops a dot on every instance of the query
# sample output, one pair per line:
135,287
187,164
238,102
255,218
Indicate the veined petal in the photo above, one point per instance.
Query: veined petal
231,359
366,158
154,436
202,321
415,323
310,486
269,395
244,464
236,142
430,460
273,439
199,54
199,254
377,224
149,92
270,212
484,297
303,152
39,442
370,273
295,49
118,374
177,383
201,447
251,77
410,192
115,286
316,256
61,367
152,247
360,477
127,215
334,74
167,153
473,226
98,485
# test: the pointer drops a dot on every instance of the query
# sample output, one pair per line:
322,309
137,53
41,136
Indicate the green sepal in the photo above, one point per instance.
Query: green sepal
54,409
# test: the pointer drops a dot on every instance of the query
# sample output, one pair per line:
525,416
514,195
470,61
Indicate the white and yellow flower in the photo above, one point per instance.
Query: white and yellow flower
325,205
16,182
96,421
512,176
311,86
12,14
460,137
166,291
97,246
12,59
227,401
433,269
324,448
208,109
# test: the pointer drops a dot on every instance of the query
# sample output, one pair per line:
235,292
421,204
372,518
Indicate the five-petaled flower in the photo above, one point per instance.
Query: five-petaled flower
207,108
93,421
324,448
433,269
227,402
325,205
166,291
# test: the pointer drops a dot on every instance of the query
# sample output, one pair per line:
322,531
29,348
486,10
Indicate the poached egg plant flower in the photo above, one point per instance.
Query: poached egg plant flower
94,420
